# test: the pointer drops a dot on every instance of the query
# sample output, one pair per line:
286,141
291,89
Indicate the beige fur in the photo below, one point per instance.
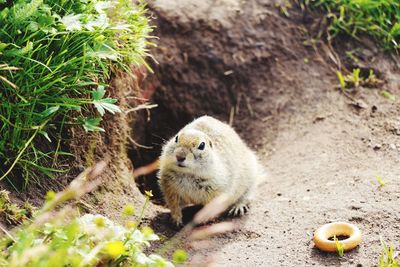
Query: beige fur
225,165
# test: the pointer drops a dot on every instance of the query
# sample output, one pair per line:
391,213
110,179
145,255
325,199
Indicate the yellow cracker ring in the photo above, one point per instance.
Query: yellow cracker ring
327,231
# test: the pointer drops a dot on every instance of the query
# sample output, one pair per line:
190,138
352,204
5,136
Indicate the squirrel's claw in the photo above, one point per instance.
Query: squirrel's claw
177,221
239,209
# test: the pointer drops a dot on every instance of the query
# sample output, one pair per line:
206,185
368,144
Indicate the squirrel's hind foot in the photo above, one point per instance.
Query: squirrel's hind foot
239,209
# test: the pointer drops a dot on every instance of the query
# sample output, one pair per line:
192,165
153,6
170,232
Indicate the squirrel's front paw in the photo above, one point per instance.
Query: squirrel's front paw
179,224
177,219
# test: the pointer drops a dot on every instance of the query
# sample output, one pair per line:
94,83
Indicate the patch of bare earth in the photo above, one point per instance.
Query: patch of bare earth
242,61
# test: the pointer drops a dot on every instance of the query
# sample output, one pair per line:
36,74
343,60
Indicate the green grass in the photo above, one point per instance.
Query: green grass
58,236
377,18
56,58
380,181
355,79
339,246
387,258
13,213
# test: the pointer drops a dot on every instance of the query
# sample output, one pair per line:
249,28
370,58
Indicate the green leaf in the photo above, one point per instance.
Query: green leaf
49,111
339,246
20,51
46,135
356,77
3,46
380,181
33,26
104,50
341,80
388,95
99,93
99,108
92,125
106,104
72,22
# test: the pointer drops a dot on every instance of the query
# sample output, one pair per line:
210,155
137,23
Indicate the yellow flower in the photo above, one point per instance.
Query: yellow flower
148,193
114,249
131,224
50,195
147,231
129,210
99,222
179,257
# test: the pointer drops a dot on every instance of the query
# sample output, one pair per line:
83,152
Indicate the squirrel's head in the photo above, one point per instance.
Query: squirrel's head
189,149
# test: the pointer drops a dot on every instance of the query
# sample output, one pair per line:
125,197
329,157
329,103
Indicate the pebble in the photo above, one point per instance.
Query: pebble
377,146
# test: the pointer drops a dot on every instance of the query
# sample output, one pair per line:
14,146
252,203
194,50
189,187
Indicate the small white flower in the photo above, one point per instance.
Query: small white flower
72,22
152,237
138,237
119,232
85,219
141,259
156,259
103,5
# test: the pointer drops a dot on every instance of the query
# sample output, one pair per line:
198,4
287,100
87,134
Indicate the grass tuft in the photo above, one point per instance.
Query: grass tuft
377,18
339,246
355,80
387,258
56,58
380,181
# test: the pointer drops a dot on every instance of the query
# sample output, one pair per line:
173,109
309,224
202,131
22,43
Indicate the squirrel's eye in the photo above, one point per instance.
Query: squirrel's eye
176,139
202,145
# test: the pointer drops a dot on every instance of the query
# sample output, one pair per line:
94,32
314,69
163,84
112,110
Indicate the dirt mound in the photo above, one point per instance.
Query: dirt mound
242,62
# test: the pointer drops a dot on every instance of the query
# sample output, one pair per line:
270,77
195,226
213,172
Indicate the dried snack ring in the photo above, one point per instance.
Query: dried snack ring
327,231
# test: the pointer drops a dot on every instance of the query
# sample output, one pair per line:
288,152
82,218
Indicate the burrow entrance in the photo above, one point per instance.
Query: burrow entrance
241,67
211,67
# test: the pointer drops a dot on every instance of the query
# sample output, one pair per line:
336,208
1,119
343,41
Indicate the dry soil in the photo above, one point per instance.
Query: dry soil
323,149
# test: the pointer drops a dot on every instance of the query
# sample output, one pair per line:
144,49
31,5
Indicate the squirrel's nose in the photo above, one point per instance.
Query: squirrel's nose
180,158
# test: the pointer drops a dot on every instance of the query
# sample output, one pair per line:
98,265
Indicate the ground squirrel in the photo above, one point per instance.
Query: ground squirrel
205,159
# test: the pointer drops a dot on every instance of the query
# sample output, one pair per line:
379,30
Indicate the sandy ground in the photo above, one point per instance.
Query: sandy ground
322,172
323,150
